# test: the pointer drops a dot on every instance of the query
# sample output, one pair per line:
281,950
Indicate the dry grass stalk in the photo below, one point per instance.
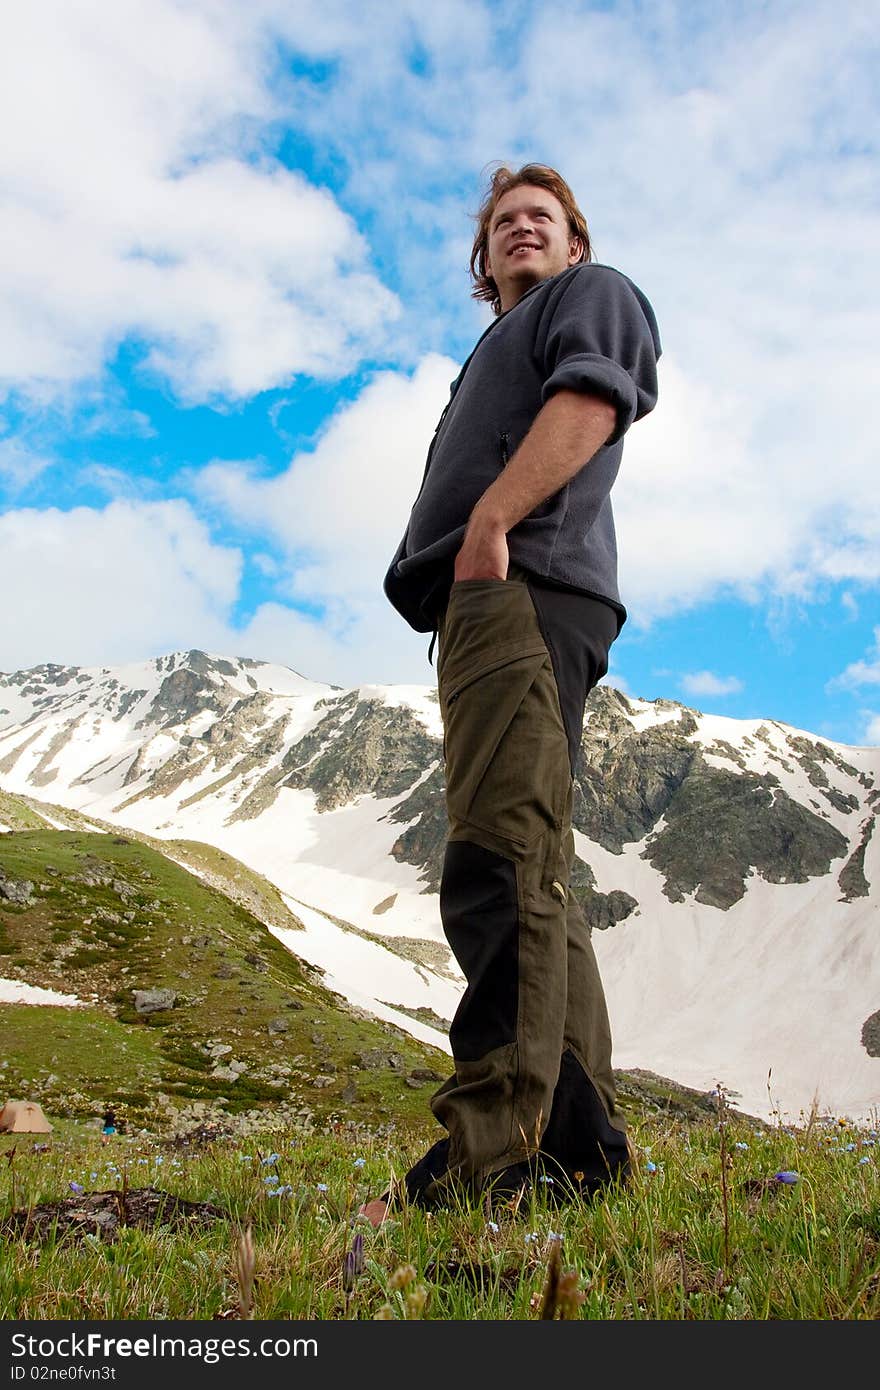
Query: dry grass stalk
245,1264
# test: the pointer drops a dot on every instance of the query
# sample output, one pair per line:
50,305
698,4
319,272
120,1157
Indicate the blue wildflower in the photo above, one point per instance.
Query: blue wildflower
864,1159
740,1145
850,1148
359,1162
651,1167
786,1176
271,1158
493,1227
76,1187
271,1179
322,1187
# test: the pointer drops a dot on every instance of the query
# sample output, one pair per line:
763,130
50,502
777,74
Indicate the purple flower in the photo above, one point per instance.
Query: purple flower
786,1176
651,1167
354,1263
866,1159
76,1187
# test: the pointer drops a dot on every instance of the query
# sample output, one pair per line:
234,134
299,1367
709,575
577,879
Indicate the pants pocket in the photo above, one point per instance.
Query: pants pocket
507,769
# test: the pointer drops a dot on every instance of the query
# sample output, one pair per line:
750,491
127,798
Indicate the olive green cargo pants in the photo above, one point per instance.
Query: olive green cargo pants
530,1039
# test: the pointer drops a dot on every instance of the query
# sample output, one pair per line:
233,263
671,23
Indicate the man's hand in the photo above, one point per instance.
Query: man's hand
483,553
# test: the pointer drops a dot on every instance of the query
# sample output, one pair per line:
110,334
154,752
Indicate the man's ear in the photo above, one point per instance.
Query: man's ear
575,250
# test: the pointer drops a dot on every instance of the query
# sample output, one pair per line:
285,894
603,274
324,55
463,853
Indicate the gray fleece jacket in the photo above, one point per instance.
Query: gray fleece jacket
587,329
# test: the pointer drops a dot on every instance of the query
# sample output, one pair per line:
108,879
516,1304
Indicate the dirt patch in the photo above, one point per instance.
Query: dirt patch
103,1214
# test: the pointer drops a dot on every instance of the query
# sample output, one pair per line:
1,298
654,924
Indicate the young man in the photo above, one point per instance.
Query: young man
510,559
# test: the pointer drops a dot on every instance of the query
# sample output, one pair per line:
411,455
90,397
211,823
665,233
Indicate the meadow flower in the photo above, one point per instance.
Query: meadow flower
554,1235
786,1176
864,1159
493,1227
76,1187
651,1167
271,1179
321,1186
359,1162
353,1267
545,1178
403,1275
270,1158
530,1236
740,1145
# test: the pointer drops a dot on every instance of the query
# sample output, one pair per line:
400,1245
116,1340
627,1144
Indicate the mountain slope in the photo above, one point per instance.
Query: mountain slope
726,867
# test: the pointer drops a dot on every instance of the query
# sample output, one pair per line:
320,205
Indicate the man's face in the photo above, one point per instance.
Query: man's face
529,240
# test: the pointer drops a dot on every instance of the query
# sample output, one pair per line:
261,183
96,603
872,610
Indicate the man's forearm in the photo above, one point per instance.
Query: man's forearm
565,435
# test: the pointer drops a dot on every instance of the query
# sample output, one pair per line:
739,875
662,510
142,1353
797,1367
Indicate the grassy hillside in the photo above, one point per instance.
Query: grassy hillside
253,1034
251,1026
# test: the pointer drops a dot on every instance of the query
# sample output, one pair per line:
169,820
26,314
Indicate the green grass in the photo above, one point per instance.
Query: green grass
656,1249
110,915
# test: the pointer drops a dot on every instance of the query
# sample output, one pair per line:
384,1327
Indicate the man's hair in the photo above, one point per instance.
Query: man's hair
502,180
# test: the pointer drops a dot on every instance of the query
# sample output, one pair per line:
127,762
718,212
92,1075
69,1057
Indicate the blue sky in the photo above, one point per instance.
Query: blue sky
234,291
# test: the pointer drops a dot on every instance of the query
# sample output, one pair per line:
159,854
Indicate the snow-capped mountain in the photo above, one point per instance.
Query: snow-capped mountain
726,866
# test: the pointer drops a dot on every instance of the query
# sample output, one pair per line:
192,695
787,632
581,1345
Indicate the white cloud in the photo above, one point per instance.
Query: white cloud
697,683
860,673
19,465
871,735
139,578
112,585
340,510
132,205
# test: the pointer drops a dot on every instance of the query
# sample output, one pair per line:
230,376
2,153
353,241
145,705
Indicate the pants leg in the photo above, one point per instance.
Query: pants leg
530,1038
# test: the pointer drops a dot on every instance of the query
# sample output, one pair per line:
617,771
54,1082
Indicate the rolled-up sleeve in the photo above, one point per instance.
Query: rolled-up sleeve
600,337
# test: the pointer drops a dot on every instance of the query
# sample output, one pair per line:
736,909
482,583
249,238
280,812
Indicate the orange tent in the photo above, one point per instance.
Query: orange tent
23,1117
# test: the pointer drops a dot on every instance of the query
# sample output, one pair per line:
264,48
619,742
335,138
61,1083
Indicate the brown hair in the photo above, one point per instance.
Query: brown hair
503,179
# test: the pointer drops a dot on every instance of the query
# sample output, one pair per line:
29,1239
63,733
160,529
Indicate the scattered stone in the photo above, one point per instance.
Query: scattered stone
277,1025
153,1001
16,890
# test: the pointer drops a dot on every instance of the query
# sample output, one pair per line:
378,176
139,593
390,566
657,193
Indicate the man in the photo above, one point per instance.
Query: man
510,559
